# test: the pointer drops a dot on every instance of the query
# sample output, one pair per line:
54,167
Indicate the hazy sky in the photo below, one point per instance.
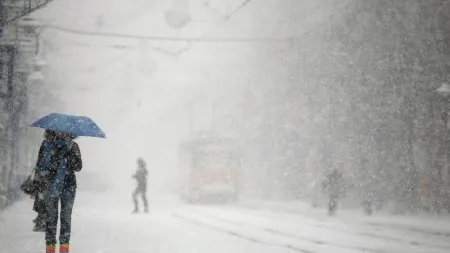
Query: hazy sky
138,92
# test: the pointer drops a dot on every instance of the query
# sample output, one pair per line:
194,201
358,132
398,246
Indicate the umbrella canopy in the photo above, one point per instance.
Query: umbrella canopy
76,125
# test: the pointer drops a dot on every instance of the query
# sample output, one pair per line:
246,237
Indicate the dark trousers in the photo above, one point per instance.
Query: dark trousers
67,199
143,192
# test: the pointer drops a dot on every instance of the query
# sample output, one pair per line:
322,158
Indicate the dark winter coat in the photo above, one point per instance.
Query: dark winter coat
74,164
141,178
334,184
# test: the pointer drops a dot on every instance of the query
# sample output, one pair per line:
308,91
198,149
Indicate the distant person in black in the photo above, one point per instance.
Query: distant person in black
333,185
141,178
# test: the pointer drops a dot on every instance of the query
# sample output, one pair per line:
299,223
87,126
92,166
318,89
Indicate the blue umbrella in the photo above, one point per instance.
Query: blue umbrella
76,125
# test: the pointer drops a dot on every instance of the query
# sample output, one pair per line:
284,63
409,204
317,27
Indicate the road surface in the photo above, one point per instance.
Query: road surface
102,226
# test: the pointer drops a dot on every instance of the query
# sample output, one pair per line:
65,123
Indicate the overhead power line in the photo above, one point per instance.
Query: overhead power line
161,38
205,38
237,9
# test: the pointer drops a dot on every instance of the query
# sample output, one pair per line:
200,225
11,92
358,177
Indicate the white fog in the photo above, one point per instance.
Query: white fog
248,125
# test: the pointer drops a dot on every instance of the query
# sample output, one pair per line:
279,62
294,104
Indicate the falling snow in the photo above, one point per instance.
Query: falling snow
266,126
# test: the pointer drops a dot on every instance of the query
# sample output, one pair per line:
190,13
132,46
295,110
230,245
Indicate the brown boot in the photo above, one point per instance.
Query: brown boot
64,248
50,248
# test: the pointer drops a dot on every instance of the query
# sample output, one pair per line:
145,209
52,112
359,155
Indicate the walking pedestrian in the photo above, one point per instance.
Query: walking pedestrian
334,188
141,189
59,159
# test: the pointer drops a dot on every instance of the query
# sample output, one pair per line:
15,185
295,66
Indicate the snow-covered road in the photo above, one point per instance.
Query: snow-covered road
100,225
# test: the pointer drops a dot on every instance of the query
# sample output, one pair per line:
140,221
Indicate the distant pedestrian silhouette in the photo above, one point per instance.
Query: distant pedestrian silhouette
141,189
333,185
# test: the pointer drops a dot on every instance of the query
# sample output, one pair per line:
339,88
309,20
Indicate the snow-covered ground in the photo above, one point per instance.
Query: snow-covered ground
103,223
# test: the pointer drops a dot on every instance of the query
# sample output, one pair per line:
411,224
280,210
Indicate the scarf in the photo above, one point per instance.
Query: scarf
50,148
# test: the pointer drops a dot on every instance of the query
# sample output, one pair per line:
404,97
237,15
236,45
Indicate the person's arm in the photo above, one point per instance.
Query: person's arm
74,159
40,175
40,158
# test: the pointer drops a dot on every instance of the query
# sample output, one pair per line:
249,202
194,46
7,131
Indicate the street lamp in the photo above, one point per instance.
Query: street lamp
36,76
39,62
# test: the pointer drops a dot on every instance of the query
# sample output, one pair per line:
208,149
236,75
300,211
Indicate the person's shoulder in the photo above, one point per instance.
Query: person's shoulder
74,146
45,142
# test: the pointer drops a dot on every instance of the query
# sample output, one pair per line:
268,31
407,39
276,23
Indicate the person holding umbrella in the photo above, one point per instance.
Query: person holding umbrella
59,158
